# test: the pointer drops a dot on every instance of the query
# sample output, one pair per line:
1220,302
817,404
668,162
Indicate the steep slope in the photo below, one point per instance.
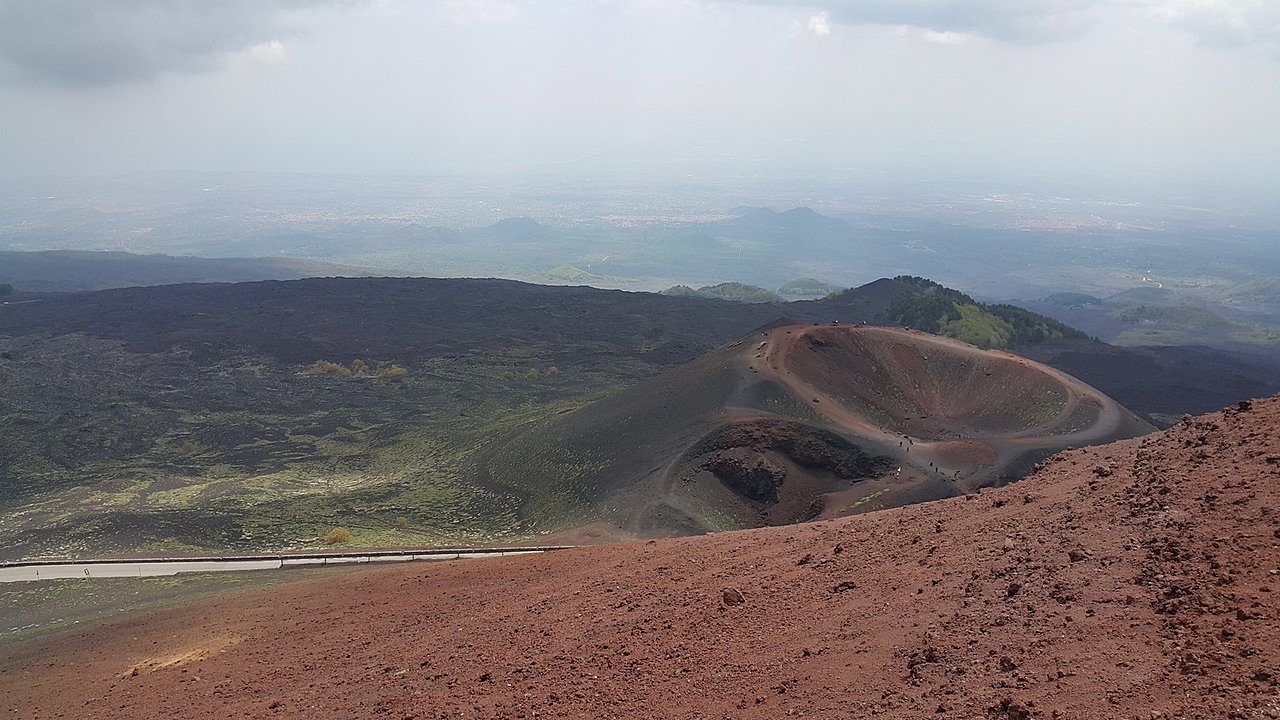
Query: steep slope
801,421
1165,382
1136,579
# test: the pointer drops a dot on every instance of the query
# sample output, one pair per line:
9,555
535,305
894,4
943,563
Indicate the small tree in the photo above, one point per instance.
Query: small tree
337,536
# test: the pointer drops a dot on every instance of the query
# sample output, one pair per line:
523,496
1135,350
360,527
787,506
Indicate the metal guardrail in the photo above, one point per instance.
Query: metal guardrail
37,570
292,556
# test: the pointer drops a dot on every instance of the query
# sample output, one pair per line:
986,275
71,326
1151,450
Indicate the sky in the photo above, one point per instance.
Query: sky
1086,90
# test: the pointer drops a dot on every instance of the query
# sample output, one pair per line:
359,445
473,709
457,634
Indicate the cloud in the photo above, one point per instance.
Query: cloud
1212,22
1021,21
1221,23
820,23
269,53
79,43
935,37
946,37
478,12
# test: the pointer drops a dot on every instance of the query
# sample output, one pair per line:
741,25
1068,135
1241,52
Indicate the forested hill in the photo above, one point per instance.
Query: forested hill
941,310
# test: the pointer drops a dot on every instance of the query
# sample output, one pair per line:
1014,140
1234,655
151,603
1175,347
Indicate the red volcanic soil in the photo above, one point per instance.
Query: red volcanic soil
1136,579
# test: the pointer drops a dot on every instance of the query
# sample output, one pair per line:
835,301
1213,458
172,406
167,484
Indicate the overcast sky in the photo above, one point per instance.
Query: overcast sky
1186,89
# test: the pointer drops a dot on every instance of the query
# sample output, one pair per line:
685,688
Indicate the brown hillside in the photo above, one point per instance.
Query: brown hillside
1132,580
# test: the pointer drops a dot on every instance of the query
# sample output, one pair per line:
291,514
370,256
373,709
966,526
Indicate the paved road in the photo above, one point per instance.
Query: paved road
28,571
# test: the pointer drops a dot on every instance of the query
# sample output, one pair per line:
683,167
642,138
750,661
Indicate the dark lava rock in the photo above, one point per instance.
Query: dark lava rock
748,474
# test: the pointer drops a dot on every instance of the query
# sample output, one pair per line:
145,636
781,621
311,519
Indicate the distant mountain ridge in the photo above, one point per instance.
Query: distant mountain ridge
797,219
1151,315
520,229
738,292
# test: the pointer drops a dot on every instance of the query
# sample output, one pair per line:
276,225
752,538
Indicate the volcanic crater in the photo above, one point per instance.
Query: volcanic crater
802,421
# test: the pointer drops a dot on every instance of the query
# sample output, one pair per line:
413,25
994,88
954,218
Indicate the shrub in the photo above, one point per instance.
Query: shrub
324,367
937,309
359,368
392,372
401,523
337,536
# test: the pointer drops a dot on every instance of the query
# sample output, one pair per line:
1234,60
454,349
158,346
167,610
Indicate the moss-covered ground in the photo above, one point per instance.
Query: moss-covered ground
253,454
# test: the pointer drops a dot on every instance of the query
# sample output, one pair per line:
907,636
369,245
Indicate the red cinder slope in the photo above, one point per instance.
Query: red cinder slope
1136,579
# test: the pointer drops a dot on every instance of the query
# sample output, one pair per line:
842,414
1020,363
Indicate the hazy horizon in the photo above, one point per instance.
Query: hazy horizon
1181,94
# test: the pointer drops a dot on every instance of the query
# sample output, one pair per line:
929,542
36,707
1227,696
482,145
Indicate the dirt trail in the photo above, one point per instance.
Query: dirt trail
1132,580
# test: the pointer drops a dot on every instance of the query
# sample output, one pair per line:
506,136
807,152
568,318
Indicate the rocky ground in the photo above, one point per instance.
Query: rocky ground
1133,580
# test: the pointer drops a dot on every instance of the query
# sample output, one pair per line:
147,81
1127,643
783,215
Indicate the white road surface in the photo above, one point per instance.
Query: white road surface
156,568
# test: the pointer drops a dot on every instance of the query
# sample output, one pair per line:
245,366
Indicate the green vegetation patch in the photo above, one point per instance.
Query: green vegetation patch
1186,325
943,311
861,502
1072,299
1264,293
808,287
735,291
271,458
978,327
